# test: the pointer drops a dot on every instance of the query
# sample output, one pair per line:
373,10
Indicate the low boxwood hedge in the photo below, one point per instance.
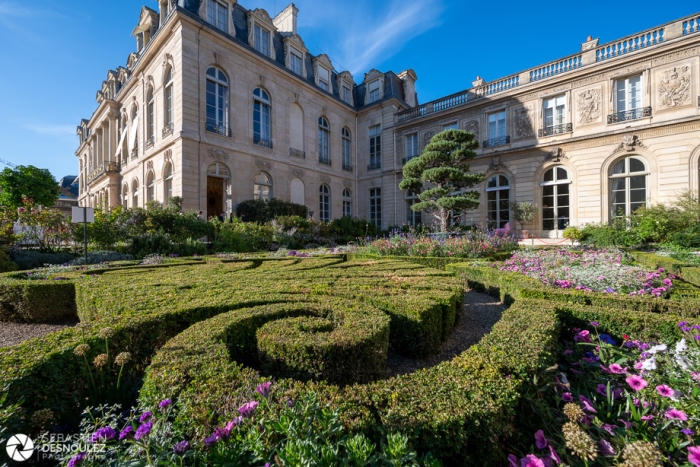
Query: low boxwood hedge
32,301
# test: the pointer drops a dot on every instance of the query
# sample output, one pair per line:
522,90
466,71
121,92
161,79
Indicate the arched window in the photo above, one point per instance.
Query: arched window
413,218
262,188
324,141
498,201
324,212
125,195
168,182
347,203
217,102
628,186
262,134
135,193
168,102
150,118
347,150
555,199
151,186
134,136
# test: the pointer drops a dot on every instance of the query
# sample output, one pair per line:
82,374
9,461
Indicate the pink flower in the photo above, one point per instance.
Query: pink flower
675,414
531,461
617,369
694,455
637,383
665,391
646,418
540,441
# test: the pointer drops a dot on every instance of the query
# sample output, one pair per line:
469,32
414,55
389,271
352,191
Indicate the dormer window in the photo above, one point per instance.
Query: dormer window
374,91
347,96
217,14
262,40
324,78
295,61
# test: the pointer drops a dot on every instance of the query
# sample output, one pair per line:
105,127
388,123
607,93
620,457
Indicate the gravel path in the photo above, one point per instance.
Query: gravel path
15,333
479,314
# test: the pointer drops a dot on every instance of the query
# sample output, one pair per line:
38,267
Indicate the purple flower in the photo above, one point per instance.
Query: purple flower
512,461
531,460
587,404
687,431
126,432
211,441
540,441
146,416
264,389
144,430
637,383
606,448
247,410
665,391
290,403
683,323
80,457
602,389
694,455
222,433
181,447
646,418
103,434
568,352
595,324
675,414
553,455
609,428
164,404
628,425
567,397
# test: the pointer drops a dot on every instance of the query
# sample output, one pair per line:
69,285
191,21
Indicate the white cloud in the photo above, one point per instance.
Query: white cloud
50,129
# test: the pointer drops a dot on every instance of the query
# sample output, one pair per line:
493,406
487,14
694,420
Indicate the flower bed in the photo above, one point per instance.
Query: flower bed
590,271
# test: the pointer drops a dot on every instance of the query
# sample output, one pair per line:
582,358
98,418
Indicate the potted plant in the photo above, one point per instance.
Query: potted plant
523,212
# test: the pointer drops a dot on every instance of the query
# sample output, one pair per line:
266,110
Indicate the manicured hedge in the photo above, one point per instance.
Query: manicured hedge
691,275
652,261
429,261
32,301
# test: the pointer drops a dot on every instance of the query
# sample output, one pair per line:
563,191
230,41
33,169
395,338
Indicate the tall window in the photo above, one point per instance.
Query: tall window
151,186
324,204
374,91
629,94
134,136
347,203
125,195
347,150
555,199
497,125
135,193
451,126
324,78
295,61
375,207
413,218
218,15
150,118
168,182
261,118
168,98
324,141
375,147
262,188
628,186
217,102
262,40
347,97
498,201
555,115
411,146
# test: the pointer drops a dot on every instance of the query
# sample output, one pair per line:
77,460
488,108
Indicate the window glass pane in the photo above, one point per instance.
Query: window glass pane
636,165
563,189
638,182
562,174
548,190
619,167
503,181
549,175
493,181
621,96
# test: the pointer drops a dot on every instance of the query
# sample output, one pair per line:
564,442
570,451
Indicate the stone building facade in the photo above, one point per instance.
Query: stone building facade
221,104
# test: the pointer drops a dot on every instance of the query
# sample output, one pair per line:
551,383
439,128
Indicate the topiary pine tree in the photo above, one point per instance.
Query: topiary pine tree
443,166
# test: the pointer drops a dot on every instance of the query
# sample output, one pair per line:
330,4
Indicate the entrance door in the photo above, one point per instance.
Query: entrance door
215,196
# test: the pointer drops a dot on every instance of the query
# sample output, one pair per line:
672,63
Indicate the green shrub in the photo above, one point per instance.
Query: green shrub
607,235
350,229
656,223
687,238
27,259
162,244
262,211
30,301
573,233
96,257
6,264
242,237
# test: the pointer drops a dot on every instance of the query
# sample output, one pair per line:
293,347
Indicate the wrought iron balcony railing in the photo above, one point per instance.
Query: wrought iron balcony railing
494,142
324,160
266,143
168,129
555,129
219,129
297,153
628,115
347,166
374,166
105,167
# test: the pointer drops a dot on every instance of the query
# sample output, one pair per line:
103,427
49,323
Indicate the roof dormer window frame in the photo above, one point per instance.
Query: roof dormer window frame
346,84
374,87
260,25
323,73
218,13
294,46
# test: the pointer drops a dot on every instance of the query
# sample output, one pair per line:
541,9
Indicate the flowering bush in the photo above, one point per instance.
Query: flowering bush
474,244
590,271
628,403
264,431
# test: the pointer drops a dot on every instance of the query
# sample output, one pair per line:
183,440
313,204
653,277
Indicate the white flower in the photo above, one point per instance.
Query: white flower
681,346
682,362
658,348
649,364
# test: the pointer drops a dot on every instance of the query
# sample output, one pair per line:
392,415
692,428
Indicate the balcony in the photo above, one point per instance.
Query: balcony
297,153
266,143
628,115
168,130
555,130
374,166
105,168
222,130
324,160
495,142
347,166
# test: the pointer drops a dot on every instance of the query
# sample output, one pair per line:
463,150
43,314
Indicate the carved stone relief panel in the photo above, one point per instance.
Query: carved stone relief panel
629,143
218,154
347,184
326,179
263,165
297,172
523,124
472,126
673,87
589,106
427,136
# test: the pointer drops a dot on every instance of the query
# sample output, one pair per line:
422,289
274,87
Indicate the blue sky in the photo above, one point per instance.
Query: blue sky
55,53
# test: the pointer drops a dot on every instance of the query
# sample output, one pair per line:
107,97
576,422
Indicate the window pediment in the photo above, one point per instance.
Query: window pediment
323,71
131,61
260,18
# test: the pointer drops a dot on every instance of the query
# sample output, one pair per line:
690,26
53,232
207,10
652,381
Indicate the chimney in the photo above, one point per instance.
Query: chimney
286,20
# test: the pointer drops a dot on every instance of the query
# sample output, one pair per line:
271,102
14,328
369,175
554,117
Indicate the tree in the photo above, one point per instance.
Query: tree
27,182
442,165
